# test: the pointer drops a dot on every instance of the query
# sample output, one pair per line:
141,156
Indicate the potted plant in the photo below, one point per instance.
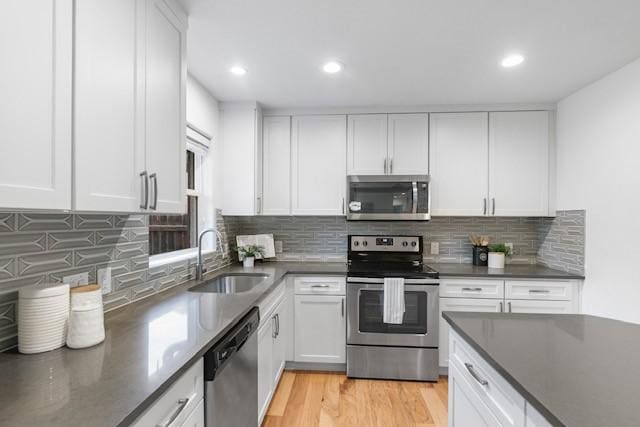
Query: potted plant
249,254
497,254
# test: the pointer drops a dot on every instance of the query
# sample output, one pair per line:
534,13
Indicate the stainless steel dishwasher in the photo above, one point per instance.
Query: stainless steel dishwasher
231,375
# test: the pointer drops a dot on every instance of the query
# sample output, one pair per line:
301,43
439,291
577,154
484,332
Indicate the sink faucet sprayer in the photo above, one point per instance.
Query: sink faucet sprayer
200,268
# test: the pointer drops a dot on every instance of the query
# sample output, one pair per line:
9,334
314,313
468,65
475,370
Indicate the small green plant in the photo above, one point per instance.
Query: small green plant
251,251
500,247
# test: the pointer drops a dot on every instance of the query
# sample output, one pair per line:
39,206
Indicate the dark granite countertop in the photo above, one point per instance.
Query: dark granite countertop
522,271
576,370
148,345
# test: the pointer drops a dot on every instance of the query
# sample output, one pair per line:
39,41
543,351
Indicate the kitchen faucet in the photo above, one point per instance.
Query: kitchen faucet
200,268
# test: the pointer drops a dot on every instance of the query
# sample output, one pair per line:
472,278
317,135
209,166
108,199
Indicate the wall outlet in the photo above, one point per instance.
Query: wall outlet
104,279
435,248
76,279
509,246
278,245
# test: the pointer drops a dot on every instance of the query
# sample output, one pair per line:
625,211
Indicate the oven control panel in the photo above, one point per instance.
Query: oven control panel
385,244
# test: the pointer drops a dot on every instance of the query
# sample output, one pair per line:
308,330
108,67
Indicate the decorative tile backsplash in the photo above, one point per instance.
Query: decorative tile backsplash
43,248
562,241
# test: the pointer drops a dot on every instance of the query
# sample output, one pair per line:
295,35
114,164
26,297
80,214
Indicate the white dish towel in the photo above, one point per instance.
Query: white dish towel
393,300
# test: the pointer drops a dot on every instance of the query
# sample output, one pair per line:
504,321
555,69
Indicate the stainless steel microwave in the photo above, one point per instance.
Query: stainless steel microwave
388,197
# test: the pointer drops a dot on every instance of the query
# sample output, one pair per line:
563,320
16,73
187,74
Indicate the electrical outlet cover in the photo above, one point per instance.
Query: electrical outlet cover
435,248
104,279
509,245
278,244
74,280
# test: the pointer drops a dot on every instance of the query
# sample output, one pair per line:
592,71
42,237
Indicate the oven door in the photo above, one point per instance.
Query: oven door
388,197
365,326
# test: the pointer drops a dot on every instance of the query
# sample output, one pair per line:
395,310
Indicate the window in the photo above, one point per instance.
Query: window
170,233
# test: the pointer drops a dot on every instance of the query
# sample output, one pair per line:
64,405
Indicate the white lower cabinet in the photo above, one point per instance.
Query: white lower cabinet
320,329
181,405
265,362
533,306
465,407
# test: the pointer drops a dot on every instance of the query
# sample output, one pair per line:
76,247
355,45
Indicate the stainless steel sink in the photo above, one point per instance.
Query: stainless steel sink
232,283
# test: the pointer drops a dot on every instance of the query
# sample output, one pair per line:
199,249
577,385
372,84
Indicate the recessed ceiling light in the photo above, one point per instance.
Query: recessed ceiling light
512,60
238,70
332,67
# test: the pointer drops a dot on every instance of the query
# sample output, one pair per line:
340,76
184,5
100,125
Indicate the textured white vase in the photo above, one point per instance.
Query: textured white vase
496,260
43,314
248,261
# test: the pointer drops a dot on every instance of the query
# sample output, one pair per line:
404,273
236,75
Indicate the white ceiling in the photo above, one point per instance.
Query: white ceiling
407,52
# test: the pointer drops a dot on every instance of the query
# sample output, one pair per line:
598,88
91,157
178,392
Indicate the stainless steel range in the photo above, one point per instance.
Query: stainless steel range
375,349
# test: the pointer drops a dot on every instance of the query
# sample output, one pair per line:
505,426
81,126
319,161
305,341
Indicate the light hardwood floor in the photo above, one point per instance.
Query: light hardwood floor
331,399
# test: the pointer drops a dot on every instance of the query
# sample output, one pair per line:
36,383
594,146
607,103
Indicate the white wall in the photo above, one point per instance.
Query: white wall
598,146
203,112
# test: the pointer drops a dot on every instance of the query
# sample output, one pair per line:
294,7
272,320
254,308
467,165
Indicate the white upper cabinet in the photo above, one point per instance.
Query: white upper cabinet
318,164
459,169
367,144
166,73
241,126
36,104
109,147
130,106
519,163
276,180
408,143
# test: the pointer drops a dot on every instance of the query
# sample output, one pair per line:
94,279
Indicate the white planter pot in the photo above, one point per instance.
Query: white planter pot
496,260
248,261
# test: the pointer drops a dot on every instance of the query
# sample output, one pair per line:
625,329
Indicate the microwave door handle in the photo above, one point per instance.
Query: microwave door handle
415,197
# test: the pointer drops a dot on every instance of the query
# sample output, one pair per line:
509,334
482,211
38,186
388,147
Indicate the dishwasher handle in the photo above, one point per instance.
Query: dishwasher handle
217,358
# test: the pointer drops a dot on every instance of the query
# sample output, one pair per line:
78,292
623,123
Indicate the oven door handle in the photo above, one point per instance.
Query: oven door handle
414,186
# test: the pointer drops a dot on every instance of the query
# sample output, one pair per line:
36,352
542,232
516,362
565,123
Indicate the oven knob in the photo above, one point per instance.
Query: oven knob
405,244
356,243
364,243
414,244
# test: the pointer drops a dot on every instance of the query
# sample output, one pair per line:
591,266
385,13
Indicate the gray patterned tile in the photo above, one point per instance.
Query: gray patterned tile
7,268
139,263
131,250
7,222
130,221
164,283
22,243
138,234
42,263
8,314
97,255
117,267
93,221
142,291
116,299
58,276
129,279
44,222
70,240
111,237
15,284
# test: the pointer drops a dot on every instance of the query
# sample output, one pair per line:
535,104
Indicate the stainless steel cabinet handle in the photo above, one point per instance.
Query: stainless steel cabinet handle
484,206
385,165
342,307
274,331
277,325
501,307
343,211
509,305
472,289
539,291
182,403
391,166
493,204
319,286
259,208
475,375
144,190
154,177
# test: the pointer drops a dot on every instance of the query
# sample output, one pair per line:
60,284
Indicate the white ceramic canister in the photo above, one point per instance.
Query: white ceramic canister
496,260
86,319
43,314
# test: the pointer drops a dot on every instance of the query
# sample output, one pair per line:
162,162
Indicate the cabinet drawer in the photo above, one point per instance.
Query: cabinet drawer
268,305
493,390
189,386
328,285
472,288
539,290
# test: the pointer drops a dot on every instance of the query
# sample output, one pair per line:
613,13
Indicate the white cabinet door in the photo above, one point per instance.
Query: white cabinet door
165,70
35,104
318,165
460,304
279,344
320,329
367,144
533,306
109,148
408,144
196,418
466,408
265,363
519,163
458,163
276,172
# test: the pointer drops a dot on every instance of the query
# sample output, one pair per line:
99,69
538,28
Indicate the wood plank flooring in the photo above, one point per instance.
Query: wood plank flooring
331,399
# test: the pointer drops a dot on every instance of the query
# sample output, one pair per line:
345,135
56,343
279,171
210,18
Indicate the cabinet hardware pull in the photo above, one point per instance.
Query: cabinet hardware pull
391,166
182,403
343,211
154,177
277,325
501,307
472,289
342,307
385,165
475,375
493,209
259,205
509,305
539,291
484,206
320,286
274,325
144,190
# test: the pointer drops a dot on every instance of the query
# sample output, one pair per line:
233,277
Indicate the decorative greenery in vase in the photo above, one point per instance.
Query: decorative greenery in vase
250,253
500,248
